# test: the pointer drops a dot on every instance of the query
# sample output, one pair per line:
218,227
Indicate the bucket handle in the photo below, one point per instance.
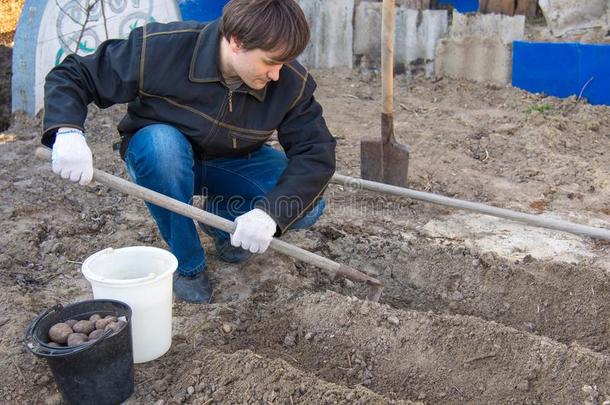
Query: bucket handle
27,341
40,350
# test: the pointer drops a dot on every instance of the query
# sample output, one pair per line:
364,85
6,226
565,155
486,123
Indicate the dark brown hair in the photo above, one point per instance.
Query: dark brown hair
270,25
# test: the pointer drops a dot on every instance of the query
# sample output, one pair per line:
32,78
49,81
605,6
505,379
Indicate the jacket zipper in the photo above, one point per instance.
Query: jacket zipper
230,104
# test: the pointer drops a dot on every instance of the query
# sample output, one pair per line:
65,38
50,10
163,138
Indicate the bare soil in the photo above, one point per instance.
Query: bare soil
476,309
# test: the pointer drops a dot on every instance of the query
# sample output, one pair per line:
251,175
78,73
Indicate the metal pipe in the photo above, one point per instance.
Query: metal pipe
527,219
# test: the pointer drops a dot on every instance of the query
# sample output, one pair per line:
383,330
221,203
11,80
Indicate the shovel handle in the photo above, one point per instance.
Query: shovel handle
387,56
215,221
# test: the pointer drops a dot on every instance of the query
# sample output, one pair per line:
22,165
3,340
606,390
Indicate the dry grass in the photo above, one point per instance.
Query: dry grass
9,16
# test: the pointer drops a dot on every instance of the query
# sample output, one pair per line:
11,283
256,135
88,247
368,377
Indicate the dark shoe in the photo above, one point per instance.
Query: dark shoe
226,252
231,254
195,288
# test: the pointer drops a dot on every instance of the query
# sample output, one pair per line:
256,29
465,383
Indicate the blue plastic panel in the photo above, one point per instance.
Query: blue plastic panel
467,6
595,66
463,6
201,10
550,68
563,69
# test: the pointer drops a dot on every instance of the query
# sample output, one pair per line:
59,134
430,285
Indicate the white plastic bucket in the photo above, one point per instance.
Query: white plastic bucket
141,277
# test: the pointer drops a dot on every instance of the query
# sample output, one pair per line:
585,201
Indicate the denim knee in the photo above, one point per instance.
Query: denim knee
158,151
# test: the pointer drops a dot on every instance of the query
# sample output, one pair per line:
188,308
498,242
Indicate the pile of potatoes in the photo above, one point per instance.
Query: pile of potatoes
73,333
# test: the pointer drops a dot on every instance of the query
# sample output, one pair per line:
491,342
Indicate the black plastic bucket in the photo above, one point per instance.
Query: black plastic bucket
100,372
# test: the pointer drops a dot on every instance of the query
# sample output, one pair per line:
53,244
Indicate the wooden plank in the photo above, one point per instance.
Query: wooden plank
526,7
498,6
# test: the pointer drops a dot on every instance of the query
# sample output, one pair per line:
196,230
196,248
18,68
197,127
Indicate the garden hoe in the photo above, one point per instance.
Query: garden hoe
386,161
127,187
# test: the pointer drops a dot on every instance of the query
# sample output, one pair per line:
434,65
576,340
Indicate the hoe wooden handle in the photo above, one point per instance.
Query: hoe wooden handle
215,221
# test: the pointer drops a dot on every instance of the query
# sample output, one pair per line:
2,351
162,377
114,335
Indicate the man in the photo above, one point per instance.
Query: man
203,100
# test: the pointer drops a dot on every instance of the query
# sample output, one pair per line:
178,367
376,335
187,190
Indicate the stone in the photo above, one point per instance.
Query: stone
523,386
563,16
160,386
290,339
393,320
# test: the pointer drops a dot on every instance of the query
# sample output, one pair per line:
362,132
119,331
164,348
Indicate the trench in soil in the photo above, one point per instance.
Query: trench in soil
408,355
452,325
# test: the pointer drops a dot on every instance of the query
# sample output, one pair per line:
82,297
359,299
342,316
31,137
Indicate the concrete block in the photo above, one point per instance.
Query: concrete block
416,35
367,30
414,4
332,32
476,59
506,28
563,16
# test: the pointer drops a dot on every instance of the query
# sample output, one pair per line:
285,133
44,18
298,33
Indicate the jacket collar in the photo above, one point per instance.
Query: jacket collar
204,64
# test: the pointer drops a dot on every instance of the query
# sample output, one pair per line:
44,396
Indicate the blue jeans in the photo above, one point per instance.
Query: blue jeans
159,157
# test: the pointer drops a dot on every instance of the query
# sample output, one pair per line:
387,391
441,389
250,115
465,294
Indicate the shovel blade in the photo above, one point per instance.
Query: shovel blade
370,160
384,162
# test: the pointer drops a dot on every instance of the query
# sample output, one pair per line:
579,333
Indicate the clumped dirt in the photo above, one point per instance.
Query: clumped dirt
475,310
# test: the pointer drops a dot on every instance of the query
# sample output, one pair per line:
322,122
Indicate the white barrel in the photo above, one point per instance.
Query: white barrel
141,277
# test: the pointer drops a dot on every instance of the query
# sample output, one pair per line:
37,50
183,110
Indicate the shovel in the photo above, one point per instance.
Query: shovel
127,187
386,161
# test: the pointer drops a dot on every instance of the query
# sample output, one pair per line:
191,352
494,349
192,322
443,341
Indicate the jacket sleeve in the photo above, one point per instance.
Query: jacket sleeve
310,149
109,76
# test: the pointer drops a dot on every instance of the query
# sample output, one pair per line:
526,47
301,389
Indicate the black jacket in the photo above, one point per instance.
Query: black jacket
169,73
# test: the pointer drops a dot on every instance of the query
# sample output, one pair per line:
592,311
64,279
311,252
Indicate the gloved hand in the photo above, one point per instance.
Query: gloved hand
254,231
71,157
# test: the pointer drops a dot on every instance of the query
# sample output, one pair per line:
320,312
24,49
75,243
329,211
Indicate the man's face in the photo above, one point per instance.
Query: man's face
255,67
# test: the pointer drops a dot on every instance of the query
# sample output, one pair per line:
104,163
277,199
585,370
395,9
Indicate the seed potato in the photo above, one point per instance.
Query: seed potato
71,322
59,332
96,334
93,318
102,323
84,327
76,339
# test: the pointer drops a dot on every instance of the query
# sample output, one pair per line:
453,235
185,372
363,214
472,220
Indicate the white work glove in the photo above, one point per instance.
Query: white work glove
254,231
71,157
